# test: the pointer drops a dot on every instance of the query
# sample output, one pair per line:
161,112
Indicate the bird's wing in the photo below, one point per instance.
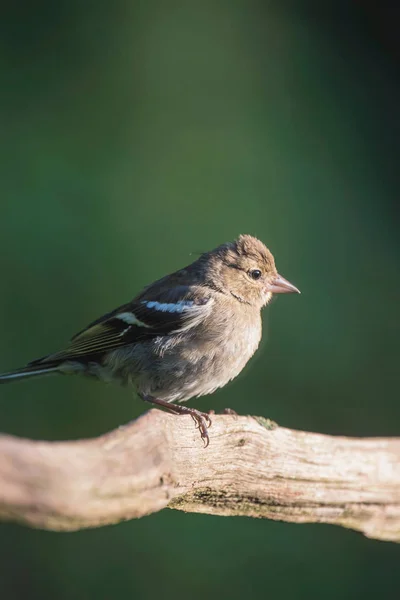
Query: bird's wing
147,316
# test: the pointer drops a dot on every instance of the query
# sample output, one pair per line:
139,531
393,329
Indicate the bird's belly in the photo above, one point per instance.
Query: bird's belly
192,370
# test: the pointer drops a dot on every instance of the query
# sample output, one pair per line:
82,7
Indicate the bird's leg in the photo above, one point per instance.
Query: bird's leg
201,419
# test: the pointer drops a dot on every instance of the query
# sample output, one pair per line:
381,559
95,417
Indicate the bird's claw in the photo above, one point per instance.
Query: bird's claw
201,419
230,411
203,422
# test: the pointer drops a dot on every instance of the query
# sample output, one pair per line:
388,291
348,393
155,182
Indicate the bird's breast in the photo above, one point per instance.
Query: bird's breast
196,363
215,359
240,344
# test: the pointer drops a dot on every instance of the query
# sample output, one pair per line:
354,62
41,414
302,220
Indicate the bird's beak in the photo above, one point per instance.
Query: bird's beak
280,285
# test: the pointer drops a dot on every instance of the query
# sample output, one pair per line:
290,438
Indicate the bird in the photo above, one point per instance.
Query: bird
183,336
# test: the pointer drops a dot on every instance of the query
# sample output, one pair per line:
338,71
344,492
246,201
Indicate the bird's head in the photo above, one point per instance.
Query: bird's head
246,269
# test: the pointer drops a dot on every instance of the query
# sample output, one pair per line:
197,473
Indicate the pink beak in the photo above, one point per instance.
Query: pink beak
280,285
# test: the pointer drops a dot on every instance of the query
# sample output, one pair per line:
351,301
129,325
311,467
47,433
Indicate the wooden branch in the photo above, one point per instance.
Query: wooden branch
252,467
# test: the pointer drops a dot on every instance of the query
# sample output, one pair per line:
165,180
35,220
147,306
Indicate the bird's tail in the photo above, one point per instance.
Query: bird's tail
28,371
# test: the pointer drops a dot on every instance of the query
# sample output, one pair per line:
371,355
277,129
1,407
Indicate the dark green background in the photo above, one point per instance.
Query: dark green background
135,133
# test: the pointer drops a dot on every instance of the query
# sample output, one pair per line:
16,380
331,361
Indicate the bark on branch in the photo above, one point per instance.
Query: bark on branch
252,467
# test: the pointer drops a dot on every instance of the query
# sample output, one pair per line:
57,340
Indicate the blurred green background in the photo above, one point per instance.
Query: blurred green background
136,133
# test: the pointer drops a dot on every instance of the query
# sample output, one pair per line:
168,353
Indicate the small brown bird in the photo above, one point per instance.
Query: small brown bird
185,335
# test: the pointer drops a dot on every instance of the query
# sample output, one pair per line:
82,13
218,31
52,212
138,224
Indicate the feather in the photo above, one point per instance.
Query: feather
142,319
26,372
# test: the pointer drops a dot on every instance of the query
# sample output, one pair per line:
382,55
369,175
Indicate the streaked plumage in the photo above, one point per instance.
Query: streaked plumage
184,335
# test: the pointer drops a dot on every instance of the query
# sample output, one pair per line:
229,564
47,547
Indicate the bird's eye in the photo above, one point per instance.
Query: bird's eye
255,274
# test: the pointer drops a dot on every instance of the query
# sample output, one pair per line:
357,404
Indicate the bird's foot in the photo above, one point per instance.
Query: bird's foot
202,420
230,411
226,411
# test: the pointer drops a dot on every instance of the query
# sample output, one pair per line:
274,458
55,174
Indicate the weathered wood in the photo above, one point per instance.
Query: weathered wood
252,467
